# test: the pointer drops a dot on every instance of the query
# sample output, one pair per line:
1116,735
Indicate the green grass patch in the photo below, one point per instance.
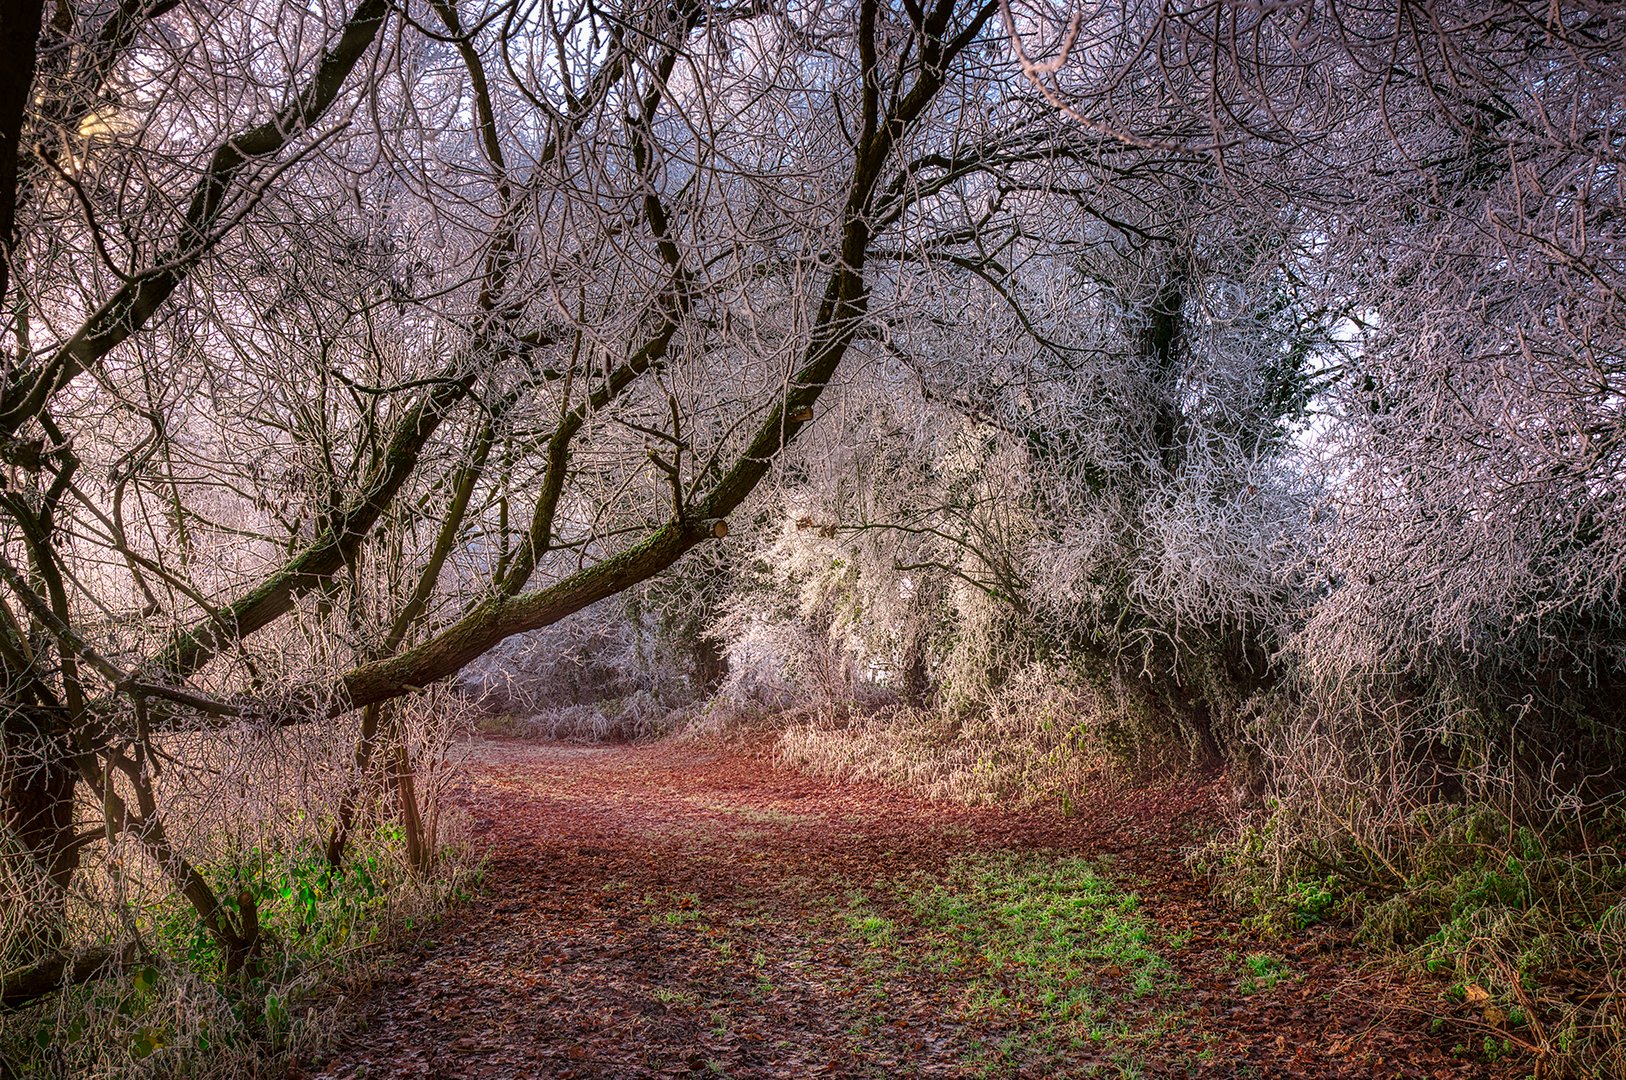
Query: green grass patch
1262,971
876,931
673,998
1050,923
1047,956
685,910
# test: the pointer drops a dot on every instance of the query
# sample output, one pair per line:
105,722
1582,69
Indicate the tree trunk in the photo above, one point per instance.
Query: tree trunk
419,856
915,681
37,802
366,741
710,662
19,36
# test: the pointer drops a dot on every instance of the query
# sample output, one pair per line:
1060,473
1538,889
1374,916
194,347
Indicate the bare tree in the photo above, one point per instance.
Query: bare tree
490,318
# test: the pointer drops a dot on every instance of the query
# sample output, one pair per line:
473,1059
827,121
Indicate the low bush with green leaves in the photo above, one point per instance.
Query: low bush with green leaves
169,1010
1525,918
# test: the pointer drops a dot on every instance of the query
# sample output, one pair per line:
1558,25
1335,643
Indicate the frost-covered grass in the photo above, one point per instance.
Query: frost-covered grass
1041,741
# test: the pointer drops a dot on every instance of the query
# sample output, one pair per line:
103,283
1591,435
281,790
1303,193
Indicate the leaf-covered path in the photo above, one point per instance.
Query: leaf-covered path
680,910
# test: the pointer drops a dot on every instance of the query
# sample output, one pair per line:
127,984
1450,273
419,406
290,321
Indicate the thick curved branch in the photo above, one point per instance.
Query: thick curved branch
130,308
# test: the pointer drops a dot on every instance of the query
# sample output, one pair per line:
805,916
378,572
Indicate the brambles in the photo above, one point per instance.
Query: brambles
170,1009
1522,918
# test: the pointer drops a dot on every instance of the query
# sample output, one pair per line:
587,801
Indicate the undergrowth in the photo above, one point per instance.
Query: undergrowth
1526,918
166,1009
1041,740
1514,893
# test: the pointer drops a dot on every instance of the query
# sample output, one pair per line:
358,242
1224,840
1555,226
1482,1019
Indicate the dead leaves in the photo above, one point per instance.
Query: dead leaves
635,929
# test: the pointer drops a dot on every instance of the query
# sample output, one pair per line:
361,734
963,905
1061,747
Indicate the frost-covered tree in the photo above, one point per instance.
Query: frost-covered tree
343,345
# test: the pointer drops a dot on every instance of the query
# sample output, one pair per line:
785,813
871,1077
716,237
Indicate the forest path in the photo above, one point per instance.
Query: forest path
682,910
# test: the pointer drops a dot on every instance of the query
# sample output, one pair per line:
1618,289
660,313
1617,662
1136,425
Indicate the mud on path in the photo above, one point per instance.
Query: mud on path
680,910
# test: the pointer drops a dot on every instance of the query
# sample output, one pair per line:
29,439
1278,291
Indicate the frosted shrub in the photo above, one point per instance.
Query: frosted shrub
606,673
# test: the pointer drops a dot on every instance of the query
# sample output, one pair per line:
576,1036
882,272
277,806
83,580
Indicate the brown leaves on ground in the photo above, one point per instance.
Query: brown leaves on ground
681,910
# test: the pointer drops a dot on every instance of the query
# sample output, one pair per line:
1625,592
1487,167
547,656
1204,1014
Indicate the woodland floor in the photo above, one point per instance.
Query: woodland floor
681,910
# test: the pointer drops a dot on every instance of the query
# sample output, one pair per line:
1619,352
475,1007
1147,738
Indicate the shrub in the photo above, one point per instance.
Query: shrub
1523,912
166,1009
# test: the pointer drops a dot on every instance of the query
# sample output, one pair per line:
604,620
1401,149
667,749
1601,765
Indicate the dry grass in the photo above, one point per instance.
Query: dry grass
1042,739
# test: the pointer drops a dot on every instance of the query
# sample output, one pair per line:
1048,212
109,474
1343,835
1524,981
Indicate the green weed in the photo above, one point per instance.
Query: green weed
1262,971
673,998
175,1013
685,911
1046,951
